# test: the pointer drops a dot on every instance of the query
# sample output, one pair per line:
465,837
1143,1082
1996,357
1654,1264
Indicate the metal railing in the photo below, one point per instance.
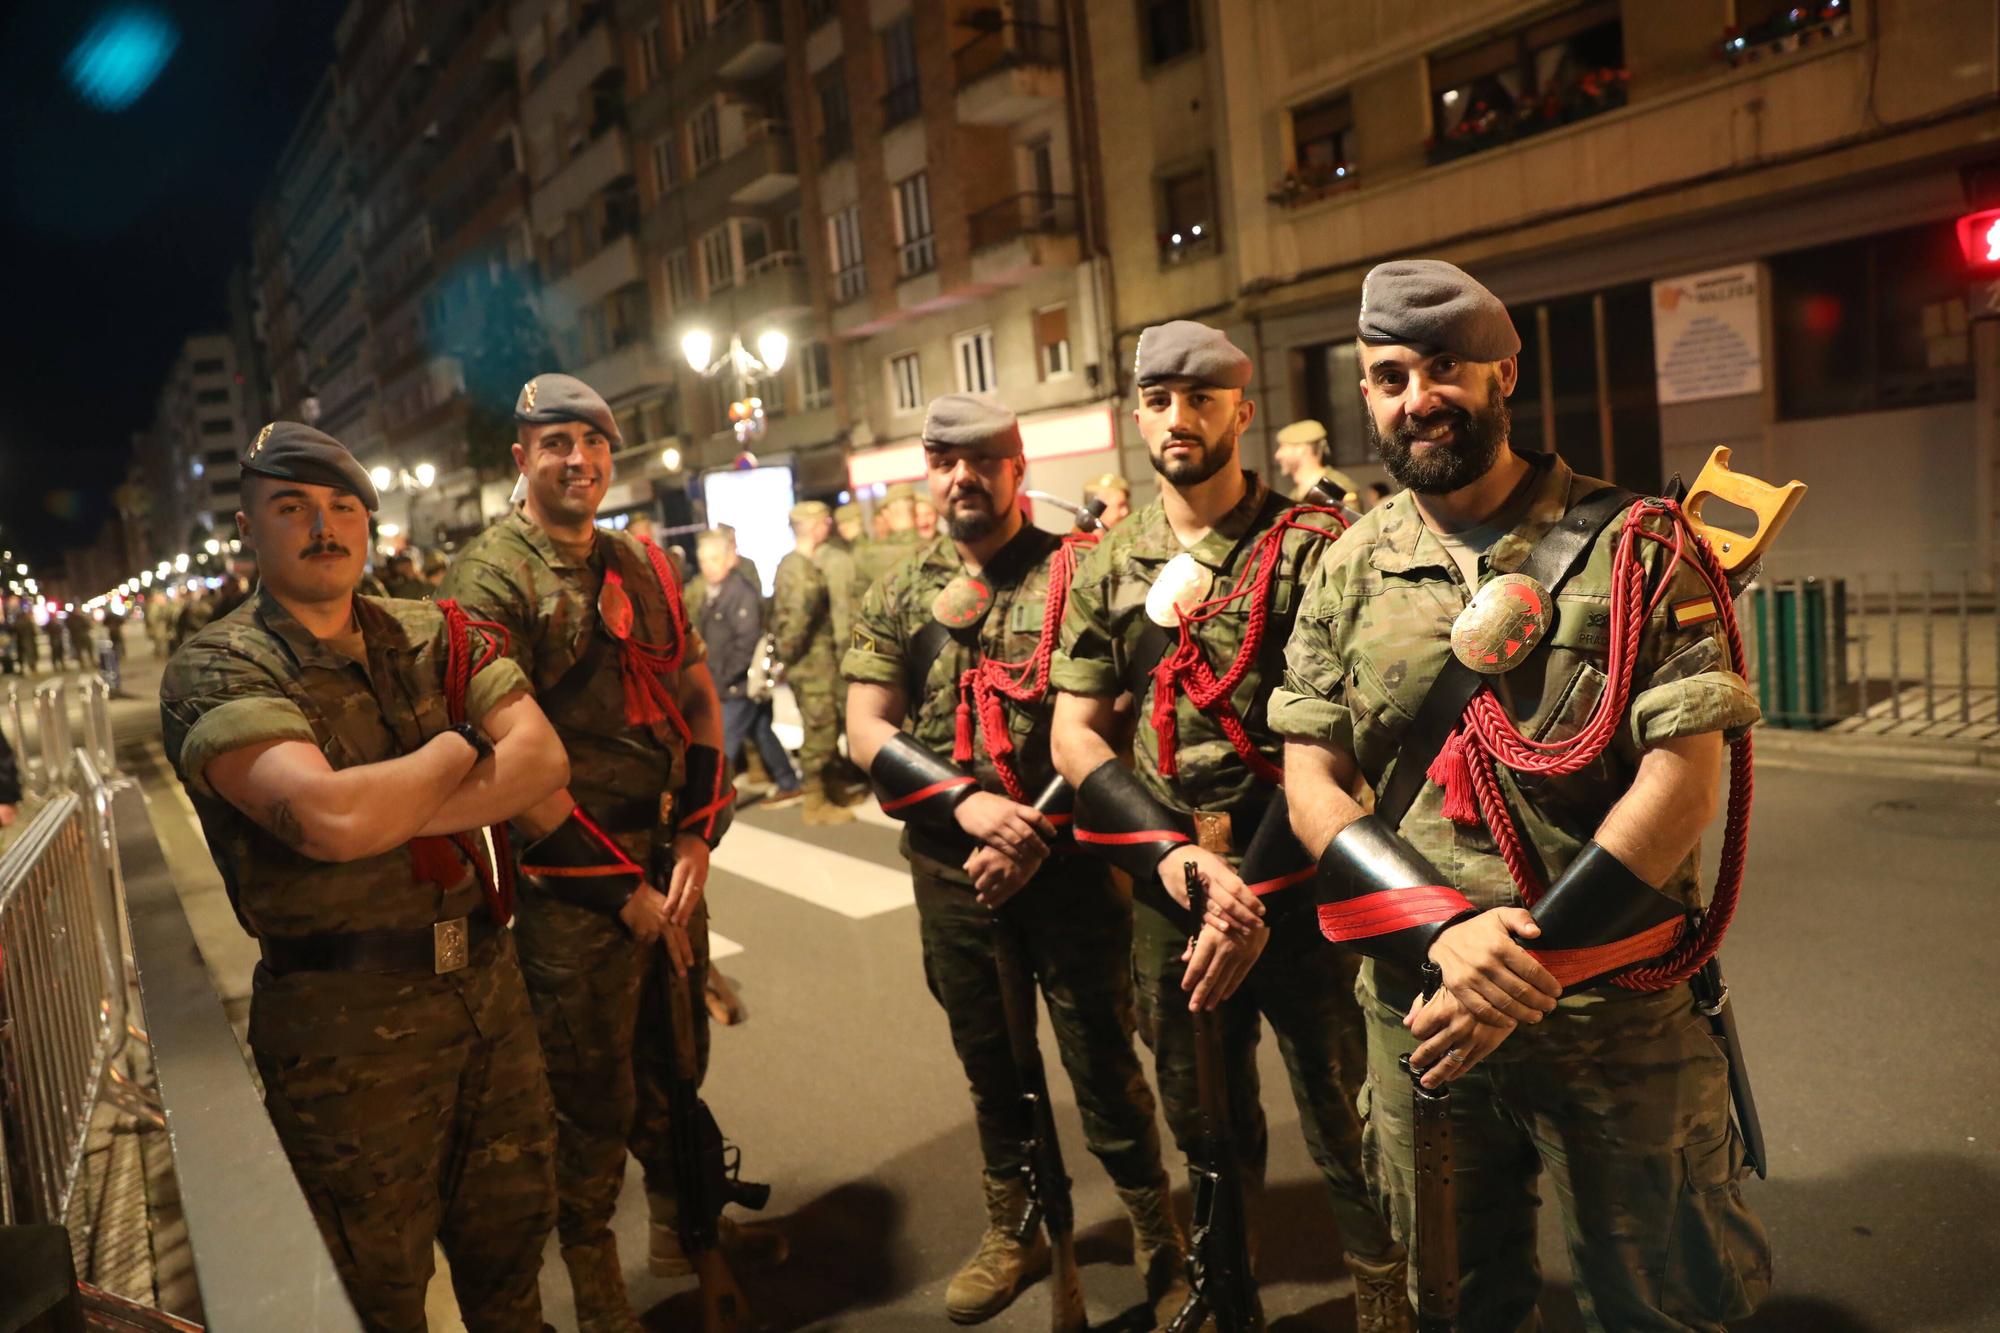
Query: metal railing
1008,45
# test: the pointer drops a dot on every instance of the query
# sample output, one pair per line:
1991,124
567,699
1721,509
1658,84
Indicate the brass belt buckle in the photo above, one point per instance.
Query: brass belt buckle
1212,832
451,945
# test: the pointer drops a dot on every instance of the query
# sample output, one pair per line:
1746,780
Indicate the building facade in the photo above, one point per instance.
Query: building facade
200,428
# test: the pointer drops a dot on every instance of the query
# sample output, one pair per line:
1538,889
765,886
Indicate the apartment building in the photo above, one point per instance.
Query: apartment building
199,431
1633,178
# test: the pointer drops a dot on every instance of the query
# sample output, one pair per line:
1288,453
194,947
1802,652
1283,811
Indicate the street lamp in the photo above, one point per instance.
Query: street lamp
772,348
390,479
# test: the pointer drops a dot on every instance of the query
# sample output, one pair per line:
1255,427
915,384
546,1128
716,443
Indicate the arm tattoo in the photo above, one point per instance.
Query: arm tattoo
284,825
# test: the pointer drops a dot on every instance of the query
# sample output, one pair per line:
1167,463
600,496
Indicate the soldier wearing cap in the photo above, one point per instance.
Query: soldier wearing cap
849,523
846,784
1116,493
1186,606
594,619
898,511
1301,457
968,603
802,635
1621,1094
318,737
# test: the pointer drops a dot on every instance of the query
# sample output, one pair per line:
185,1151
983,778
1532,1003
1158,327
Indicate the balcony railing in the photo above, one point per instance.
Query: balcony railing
1010,45
901,103
1031,213
849,283
916,257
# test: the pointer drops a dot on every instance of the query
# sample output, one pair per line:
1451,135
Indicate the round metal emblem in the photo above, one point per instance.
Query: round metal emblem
1183,585
1508,616
614,609
962,603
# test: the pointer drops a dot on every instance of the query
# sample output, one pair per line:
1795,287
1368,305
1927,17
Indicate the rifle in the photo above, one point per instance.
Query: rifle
707,1169
1223,1287
1435,1252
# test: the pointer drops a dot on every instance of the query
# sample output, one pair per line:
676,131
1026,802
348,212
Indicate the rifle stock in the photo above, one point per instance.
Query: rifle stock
1435,1252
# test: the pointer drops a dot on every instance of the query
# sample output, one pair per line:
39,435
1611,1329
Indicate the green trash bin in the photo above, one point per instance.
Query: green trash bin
1798,684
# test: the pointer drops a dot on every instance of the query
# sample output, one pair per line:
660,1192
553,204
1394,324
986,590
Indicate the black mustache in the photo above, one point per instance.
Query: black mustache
322,548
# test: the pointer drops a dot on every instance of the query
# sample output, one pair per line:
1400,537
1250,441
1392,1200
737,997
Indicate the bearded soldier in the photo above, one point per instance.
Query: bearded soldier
966,623
1186,605
1605,646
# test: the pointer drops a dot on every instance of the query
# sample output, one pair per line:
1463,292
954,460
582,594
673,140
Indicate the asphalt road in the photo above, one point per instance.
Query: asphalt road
1859,962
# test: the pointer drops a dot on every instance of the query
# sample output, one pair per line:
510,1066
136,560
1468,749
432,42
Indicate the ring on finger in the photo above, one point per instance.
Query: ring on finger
1455,1055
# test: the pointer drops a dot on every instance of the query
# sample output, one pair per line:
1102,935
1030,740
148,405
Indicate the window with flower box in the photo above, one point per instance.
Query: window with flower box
1322,152
1562,69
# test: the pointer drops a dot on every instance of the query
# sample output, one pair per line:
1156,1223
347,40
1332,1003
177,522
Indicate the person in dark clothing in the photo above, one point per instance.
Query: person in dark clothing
731,620
10,783
54,629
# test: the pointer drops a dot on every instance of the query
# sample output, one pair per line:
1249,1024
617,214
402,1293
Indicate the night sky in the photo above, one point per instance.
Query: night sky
119,229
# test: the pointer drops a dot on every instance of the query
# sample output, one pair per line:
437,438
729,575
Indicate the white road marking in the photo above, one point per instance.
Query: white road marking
855,888
870,812
721,946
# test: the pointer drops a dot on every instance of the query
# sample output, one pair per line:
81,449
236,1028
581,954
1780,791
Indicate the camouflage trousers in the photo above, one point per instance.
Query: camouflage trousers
441,1132
1304,988
604,1029
820,725
1629,1115
1075,926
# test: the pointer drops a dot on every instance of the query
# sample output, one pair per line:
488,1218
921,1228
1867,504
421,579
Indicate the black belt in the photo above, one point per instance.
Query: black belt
444,946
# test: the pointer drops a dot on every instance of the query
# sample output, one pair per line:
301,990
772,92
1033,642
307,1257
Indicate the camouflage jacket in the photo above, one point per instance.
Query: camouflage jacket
1374,631
515,575
880,555
843,593
801,622
258,675
1106,622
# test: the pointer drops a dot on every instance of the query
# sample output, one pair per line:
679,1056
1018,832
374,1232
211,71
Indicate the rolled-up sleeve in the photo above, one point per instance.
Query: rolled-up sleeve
875,648
214,702
1086,657
1684,683
1310,704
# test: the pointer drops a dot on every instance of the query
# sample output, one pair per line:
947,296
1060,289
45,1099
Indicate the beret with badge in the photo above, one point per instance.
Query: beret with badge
1433,307
969,421
547,399
293,451
1184,349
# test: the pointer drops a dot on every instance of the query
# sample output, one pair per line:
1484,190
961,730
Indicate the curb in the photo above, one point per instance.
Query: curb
1962,761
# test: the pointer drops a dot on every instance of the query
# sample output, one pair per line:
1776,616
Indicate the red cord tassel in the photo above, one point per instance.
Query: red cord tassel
1452,770
1165,730
961,746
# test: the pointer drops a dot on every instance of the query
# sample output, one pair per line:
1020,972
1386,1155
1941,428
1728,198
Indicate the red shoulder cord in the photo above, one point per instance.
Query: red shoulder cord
981,687
640,665
459,670
1465,766
1186,669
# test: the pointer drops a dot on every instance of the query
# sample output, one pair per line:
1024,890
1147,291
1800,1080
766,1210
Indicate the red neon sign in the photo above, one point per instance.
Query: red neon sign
1979,240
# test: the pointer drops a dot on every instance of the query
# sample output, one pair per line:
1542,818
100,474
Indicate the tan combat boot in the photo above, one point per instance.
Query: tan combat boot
819,810
1381,1295
598,1283
745,1246
1159,1250
987,1283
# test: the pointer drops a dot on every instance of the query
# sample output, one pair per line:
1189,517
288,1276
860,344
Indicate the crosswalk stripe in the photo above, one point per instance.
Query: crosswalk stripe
721,946
870,812
855,888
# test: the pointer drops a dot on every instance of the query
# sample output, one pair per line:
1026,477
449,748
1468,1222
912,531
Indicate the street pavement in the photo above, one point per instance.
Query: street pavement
1859,965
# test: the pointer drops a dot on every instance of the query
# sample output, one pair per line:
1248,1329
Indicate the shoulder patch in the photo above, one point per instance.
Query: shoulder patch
1695,611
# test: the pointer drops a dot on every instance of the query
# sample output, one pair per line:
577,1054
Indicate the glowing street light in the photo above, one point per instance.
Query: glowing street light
697,345
426,474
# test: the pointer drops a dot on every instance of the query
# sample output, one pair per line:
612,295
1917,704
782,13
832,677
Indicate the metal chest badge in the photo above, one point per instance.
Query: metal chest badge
1507,617
1181,586
962,603
614,607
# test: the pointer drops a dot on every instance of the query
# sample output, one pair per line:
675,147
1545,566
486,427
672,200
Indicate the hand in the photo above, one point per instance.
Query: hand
1231,905
644,913
1491,974
690,878
1451,1041
680,949
7,813
1008,825
996,876
1218,960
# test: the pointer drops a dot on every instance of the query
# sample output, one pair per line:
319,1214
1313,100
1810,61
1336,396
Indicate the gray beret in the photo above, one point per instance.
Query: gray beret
291,451
550,398
1183,349
969,421
1435,307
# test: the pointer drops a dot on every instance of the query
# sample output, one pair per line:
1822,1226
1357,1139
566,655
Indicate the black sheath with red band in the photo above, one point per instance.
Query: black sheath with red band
1119,820
1599,917
578,863
1378,896
917,786
707,797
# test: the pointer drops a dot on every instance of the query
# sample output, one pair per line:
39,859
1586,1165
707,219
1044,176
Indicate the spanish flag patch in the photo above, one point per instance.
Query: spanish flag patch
1695,611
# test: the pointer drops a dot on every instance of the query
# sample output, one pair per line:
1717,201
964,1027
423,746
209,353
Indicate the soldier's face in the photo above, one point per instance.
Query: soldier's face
568,467
972,492
1292,458
1437,421
1191,428
822,529
311,541
1117,508
850,529
927,520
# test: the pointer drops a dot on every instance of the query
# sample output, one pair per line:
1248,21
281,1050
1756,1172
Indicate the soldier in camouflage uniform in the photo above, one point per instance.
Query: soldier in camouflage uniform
545,573
802,633
1203,533
988,583
1620,1095
844,783
388,1019
885,552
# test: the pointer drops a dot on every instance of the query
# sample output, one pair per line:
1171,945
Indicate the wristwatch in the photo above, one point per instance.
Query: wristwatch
474,737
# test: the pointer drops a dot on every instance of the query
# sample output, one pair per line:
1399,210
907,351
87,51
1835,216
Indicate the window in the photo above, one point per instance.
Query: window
899,72
666,164
816,376
212,396
843,235
1871,325
209,365
819,11
915,240
652,54
1167,29
972,361
1550,73
215,458
694,23
906,382
629,314
718,260
1322,150
1187,216
1052,356
218,426
836,129
704,138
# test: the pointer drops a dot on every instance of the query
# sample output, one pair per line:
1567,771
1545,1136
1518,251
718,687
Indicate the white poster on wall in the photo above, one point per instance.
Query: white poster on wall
1706,340
757,502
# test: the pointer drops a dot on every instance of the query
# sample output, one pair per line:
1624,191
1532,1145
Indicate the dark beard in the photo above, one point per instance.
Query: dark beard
1214,458
1441,471
972,525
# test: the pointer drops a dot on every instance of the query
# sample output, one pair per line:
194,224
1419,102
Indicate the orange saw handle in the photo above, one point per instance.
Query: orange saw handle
1773,506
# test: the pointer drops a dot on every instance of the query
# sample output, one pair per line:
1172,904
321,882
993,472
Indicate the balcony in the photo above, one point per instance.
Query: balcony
763,169
901,103
774,287
605,160
746,39
1021,236
563,86
627,370
615,266
1010,73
